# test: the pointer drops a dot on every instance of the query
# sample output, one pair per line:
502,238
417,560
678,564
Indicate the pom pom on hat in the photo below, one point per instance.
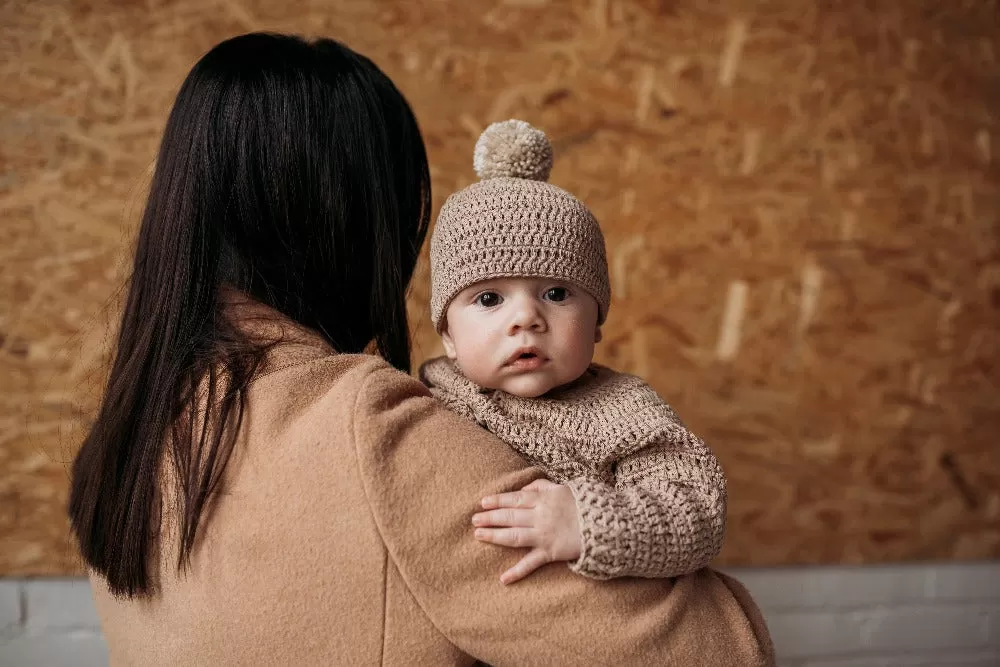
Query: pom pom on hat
513,149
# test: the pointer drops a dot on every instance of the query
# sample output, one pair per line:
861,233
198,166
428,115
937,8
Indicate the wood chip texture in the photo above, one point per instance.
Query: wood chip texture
800,201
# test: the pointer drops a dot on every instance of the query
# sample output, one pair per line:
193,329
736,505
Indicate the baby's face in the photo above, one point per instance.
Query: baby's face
524,336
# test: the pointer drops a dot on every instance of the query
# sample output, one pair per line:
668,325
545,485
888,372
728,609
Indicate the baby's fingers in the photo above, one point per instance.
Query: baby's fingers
523,499
534,560
504,517
507,537
540,484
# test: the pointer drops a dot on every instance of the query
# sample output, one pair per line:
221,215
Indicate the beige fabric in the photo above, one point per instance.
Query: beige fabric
512,225
651,496
342,537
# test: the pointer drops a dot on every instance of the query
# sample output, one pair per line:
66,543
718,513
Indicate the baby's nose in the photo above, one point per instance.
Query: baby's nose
527,315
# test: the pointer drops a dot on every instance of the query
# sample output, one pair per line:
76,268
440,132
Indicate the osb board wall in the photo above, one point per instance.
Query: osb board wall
800,201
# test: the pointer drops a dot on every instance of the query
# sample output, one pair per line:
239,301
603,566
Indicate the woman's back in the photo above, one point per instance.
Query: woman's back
290,568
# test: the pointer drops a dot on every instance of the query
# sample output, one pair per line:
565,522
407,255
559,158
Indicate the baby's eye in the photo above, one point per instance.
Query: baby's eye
488,299
556,294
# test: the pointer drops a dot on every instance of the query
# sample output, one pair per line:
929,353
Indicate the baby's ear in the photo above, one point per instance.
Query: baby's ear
598,335
449,344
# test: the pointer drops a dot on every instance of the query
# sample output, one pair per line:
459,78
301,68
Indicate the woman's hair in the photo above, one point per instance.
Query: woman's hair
294,172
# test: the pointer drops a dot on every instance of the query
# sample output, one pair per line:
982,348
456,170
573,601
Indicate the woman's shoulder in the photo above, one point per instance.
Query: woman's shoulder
332,380
300,363
316,416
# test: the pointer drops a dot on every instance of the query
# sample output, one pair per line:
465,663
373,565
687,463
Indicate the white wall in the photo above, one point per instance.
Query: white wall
49,623
905,616
898,616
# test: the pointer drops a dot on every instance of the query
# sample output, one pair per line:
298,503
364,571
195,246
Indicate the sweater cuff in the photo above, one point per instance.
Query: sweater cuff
603,538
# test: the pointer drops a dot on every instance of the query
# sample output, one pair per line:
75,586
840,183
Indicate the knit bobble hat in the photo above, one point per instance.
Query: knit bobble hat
514,224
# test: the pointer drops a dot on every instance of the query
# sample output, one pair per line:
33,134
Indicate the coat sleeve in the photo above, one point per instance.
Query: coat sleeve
664,516
424,471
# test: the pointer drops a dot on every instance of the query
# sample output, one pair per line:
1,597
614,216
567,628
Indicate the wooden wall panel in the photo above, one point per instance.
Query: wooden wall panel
800,201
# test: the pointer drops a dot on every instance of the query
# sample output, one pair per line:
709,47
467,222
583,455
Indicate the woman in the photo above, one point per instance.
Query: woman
256,489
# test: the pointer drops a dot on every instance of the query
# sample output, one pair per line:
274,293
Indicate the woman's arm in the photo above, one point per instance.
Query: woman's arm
424,470
665,515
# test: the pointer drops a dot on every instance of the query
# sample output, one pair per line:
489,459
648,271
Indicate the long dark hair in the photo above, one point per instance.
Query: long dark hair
294,172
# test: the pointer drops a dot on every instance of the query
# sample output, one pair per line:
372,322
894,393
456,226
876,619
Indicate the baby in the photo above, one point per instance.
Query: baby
519,291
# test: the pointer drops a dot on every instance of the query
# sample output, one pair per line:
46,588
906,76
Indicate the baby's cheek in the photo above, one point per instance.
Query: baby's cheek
475,367
583,355
486,379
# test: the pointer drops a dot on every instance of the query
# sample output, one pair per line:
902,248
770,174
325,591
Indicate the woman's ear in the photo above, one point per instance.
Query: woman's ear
449,344
598,335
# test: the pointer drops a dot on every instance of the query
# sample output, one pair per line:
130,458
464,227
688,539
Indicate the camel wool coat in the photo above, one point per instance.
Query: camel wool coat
342,536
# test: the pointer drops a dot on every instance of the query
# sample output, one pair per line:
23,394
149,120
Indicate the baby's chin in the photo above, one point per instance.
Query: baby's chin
530,391
530,386
525,386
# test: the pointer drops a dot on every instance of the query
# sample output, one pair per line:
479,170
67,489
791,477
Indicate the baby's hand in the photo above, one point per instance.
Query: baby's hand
541,516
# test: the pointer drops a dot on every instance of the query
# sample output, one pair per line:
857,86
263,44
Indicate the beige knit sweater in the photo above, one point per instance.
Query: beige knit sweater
651,496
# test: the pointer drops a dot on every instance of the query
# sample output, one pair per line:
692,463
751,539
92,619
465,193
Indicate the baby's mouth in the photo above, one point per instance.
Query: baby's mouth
526,359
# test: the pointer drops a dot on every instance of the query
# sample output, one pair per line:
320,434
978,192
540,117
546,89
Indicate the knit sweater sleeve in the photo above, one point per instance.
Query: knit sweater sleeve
664,516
